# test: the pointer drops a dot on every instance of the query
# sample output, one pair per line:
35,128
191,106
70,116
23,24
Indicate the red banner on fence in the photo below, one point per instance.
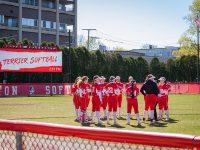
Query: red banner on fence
30,60
7,90
41,89
183,88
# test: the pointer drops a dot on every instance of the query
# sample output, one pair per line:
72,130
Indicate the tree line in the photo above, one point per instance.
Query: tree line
90,63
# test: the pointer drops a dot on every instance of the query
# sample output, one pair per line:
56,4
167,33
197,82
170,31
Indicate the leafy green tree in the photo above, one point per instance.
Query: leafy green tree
2,43
44,43
188,45
142,69
158,68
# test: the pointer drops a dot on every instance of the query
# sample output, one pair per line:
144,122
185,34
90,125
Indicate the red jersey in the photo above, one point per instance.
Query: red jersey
82,90
164,89
88,89
127,85
120,86
112,89
74,89
97,91
134,91
103,85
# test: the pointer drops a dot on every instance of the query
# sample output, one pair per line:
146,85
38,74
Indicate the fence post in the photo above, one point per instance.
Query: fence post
18,140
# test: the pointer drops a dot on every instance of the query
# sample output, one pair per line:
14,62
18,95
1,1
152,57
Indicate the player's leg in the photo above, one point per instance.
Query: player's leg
160,106
119,105
166,108
104,106
93,110
146,107
114,99
136,110
83,110
97,109
129,105
152,101
109,109
87,101
155,110
76,106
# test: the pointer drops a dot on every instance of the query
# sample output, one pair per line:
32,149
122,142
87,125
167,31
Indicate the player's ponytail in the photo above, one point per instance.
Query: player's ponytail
76,80
79,83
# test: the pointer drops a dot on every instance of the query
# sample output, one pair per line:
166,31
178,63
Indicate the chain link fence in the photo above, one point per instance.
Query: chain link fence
10,140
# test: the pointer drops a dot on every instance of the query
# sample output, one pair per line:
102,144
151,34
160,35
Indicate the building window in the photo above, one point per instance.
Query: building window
63,27
30,2
48,24
14,1
1,19
48,4
70,27
11,22
69,7
29,22
66,28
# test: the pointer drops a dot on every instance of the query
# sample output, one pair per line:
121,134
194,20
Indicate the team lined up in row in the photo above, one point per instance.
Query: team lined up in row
109,95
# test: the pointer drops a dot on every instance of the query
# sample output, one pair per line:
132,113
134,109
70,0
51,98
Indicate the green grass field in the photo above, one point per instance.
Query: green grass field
184,109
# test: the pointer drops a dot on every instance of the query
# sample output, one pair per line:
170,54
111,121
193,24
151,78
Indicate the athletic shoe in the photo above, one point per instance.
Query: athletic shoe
77,120
152,122
167,119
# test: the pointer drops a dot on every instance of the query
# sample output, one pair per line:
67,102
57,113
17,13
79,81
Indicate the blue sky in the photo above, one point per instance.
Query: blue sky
134,22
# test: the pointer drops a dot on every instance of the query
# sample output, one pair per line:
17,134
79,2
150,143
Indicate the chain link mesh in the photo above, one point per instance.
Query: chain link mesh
32,141
7,140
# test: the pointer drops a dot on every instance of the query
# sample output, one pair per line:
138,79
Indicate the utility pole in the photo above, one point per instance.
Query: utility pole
70,66
88,41
198,48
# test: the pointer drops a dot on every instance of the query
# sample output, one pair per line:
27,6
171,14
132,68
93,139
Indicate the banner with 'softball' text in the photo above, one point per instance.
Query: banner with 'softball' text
26,60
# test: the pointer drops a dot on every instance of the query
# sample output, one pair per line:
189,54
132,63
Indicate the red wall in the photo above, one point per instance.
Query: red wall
36,89
42,89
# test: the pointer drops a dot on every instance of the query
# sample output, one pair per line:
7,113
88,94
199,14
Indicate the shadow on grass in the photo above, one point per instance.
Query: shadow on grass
138,126
172,121
158,124
100,125
121,118
117,126
86,124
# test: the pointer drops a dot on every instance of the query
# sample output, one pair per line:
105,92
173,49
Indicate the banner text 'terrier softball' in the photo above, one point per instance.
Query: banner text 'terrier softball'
23,60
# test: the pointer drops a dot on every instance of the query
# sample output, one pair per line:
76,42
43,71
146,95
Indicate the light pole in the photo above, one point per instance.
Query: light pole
88,41
70,66
197,23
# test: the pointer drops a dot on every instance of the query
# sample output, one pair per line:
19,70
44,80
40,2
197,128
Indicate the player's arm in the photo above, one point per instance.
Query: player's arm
117,90
128,93
155,89
137,92
143,89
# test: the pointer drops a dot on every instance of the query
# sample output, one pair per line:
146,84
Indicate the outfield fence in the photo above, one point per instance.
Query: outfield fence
21,135
45,89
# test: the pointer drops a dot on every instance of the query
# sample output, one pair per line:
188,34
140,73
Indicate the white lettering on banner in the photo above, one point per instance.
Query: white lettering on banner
31,61
48,90
14,90
60,89
54,89
6,90
68,89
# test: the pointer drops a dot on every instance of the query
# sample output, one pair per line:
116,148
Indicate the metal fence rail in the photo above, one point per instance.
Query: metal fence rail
18,135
